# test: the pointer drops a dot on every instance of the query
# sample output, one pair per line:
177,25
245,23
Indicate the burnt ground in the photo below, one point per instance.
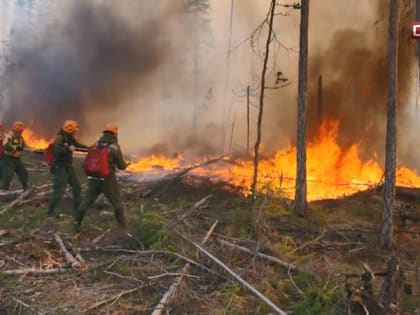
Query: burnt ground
129,273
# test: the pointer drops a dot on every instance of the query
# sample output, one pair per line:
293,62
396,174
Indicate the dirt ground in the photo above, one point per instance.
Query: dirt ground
128,271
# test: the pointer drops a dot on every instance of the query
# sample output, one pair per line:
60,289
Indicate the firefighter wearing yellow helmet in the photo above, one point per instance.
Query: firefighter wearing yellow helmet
13,145
107,157
62,167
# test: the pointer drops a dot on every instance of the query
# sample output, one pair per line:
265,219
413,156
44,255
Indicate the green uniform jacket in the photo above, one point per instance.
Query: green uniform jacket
116,159
62,154
13,144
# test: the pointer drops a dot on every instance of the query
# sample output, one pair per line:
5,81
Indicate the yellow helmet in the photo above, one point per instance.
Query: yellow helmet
70,126
111,127
18,126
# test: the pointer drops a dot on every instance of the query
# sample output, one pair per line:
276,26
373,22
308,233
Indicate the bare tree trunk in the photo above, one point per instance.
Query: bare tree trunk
320,96
226,101
300,192
260,112
391,128
418,53
195,75
247,119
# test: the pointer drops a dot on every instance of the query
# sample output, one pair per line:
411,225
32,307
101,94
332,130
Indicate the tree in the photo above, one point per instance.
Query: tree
201,36
300,192
261,106
391,128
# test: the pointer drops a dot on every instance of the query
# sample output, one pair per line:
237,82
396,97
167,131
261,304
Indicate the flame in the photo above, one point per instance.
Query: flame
332,171
153,161
33,141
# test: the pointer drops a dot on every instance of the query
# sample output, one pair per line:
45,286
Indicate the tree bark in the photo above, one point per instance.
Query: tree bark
391,128
261,107
300,192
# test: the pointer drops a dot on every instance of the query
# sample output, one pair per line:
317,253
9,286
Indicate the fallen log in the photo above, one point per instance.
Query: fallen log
194,207
282,263
113,298
168,296
18,200
34,271
73,262
7,195
261,296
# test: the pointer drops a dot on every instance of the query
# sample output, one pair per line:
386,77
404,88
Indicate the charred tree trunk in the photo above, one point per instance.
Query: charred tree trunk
320,96
391,128
261,107
300,193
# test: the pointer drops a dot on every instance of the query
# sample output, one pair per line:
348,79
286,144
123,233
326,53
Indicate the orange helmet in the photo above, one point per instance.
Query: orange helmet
70,126
111,127
18,126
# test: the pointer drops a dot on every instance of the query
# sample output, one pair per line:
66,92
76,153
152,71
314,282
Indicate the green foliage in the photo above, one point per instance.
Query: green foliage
151,229
235,302
317,298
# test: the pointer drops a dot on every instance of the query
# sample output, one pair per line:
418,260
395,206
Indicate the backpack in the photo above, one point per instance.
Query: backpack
49,154
1,149
96,162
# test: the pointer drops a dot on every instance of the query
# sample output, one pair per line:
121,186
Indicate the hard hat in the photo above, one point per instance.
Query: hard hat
18,126
111,127
70,126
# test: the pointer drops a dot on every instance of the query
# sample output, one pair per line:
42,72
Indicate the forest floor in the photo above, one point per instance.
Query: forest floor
128,271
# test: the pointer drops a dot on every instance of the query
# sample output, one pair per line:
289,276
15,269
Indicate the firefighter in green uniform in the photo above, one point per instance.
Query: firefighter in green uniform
62,167
2,136
107,185
13,145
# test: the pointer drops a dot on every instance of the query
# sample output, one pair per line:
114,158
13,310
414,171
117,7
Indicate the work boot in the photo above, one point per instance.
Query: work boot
77,226
50,213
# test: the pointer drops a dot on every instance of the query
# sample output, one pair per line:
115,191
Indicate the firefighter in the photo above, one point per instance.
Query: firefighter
62,166
107,185
2,136
13,145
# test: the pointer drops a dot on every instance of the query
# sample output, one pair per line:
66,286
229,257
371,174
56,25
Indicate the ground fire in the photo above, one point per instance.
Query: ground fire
333,171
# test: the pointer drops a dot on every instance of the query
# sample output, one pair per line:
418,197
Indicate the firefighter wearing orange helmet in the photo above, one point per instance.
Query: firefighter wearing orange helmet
13,145
62,166
102,179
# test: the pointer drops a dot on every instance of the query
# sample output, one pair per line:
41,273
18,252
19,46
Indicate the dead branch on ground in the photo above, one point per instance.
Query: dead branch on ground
73,262
168,296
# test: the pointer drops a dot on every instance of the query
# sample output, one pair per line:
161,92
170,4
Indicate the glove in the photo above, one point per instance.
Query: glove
72,148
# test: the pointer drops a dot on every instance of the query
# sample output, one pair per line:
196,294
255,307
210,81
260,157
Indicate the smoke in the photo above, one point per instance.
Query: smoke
152,68
89,58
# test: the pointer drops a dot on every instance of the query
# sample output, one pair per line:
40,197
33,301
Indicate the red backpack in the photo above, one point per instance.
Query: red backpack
49,154
96,162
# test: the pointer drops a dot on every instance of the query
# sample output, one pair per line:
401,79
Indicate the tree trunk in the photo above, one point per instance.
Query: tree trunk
227,105
300,193
320,99
247,120
391,128
261,107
